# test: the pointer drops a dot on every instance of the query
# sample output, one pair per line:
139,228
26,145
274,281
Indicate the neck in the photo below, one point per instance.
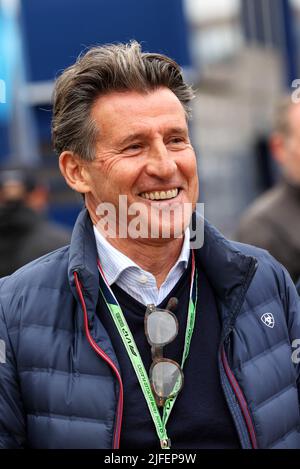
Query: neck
156,258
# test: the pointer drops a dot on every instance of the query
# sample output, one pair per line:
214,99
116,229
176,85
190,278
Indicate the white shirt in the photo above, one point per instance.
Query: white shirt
137,282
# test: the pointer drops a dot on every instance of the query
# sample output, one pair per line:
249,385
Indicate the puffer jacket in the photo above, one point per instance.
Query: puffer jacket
60,382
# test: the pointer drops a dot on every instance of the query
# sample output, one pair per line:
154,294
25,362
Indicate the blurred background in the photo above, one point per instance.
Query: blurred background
240,55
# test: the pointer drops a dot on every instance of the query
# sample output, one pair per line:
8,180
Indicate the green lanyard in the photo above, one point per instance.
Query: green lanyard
134,355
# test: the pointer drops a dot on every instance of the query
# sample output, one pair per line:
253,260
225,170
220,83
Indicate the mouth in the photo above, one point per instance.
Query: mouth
161,195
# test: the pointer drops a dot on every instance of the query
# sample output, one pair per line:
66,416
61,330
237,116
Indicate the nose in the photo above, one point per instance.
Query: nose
160,162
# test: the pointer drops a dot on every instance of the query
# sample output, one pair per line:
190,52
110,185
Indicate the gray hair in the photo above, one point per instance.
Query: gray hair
112,67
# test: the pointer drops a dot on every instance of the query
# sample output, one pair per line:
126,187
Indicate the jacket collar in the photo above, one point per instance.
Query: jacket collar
228,269
83,260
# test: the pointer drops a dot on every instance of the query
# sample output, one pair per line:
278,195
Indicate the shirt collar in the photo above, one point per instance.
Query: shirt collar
114,262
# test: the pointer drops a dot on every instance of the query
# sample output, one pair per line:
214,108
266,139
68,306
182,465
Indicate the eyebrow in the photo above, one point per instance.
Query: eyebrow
131,138
141,135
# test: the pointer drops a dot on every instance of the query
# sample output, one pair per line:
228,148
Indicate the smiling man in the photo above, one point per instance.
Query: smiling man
144,153
132,337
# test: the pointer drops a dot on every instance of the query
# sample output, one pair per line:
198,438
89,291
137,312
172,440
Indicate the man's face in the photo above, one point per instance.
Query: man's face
291,146
143,153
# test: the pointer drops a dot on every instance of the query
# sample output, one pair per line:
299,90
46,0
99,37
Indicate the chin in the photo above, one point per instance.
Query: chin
167,232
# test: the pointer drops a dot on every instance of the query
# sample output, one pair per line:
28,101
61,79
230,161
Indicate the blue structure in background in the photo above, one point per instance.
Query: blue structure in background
271,23
17,130
56,31
290,50
8,58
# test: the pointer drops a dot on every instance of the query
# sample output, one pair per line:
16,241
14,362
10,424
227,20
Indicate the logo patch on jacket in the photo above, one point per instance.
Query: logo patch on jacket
268,320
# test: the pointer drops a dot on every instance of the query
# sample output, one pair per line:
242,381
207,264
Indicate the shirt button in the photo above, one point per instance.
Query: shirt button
143,279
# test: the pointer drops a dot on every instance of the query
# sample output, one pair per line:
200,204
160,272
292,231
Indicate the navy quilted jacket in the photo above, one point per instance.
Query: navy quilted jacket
60,383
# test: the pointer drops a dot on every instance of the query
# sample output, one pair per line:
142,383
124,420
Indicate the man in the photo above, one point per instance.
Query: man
25,234
273,221
98,335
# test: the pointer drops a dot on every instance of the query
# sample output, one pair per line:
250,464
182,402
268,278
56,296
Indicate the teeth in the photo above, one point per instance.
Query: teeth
162,195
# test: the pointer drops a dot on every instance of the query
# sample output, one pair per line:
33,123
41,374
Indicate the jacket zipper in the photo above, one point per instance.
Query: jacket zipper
240,398
102,354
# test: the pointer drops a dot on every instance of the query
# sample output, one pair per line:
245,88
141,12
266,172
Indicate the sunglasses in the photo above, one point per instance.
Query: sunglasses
161,328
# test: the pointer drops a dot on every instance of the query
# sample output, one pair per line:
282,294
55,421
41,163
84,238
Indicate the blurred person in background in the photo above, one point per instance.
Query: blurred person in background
272,222
85,326
25,233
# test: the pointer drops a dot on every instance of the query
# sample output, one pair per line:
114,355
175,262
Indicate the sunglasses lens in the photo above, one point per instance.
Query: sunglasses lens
166,379
161,327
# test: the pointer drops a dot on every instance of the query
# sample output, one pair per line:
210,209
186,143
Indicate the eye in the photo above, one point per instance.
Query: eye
177,142
134,148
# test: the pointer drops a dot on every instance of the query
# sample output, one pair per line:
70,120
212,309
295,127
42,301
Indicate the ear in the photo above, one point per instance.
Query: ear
278,147
74,172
